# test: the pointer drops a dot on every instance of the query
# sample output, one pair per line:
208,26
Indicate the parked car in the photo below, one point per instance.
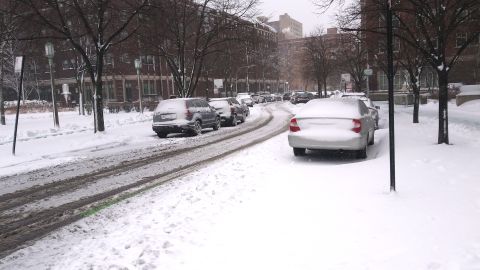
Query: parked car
243,95
184,115
353,94
301,97
277,97
368,102
245,106
373,110
268,98
287,96
332,124
230,110
258,99
247,101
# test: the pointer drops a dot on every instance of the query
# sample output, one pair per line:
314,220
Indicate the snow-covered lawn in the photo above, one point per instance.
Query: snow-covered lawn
265,209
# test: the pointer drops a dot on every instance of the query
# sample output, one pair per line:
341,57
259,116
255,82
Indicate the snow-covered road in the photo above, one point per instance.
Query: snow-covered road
262,208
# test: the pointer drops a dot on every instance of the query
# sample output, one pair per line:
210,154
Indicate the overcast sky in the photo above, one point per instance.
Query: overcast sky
301,10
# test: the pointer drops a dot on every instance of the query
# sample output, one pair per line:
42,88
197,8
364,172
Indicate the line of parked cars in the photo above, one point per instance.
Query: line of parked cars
261,97
347,122
192,115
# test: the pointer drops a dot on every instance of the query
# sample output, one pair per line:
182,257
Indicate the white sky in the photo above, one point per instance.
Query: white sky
300,10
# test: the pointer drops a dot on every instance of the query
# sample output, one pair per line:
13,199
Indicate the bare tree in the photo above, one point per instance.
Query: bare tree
86,25
191,31
441,30
320,58
8,25
352,58
413,62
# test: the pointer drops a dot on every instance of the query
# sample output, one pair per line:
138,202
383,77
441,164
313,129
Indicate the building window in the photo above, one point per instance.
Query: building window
460,40
148,87
109,59
147,60
68,64
382,80
108,90
125,58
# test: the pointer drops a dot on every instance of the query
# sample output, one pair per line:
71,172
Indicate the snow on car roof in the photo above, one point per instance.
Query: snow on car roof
334,108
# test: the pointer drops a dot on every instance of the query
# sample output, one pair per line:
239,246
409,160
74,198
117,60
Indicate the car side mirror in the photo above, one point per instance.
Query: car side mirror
377,107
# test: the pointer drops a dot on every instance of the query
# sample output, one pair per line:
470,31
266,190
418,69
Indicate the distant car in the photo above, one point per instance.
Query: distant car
268,98
258,99
301,97
332,124
243,95
286,96
353,94
184,115
230,110
246,108
277,97
247,101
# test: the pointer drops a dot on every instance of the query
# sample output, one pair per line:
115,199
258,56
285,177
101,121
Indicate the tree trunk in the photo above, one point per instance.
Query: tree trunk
99,123
416,103
2,106
319,86
443,107
325,88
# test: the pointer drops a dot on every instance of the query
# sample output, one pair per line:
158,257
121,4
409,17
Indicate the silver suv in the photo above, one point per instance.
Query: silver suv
230,110
184,115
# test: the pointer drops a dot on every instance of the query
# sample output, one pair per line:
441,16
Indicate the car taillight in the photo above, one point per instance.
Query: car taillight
294,125
357,125
188,112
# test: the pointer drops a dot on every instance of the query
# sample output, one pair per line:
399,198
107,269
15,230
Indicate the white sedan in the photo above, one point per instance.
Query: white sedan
332,124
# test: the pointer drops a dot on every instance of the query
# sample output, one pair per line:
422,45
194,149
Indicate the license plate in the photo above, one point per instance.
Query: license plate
168,116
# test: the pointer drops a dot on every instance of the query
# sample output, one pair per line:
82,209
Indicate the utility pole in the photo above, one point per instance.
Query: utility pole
391,119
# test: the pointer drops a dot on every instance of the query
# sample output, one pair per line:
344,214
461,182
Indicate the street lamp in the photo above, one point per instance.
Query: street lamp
50,53
236,77
138,67
288,88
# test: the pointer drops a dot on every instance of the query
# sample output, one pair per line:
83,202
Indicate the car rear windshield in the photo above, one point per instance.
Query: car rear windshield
171,105
331,108
302,94
218,103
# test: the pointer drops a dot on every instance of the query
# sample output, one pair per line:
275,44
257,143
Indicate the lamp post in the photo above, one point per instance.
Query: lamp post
50,53
138,66
236,77
288,88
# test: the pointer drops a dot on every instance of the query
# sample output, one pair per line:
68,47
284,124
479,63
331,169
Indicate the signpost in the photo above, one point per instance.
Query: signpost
368,72
19,64
217,85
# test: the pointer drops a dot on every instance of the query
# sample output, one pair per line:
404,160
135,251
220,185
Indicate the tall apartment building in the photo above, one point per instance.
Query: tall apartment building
287,27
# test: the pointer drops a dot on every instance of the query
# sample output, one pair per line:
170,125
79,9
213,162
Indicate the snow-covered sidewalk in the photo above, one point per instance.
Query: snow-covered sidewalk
265,209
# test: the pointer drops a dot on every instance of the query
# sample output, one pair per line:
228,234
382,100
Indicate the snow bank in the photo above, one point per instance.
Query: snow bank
469,90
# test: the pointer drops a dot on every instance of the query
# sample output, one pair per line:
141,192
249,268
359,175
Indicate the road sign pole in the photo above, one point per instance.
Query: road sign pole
19,64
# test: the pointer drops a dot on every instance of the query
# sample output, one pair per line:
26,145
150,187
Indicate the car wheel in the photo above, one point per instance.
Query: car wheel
217,124
197,128
372,140
162,134
234,120
299,151
243,118
362,154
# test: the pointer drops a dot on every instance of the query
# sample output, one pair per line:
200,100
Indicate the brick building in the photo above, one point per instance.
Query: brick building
120,81
466,71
